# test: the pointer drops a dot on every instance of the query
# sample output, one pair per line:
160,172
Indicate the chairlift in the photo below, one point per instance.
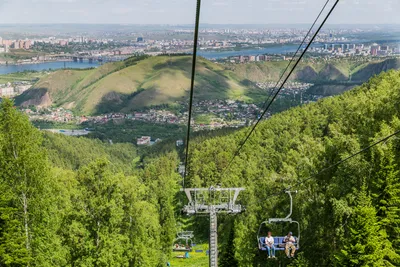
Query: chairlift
185,236
278,240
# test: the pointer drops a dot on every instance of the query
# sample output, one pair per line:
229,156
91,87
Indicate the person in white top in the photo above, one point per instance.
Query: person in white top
290,248
269,242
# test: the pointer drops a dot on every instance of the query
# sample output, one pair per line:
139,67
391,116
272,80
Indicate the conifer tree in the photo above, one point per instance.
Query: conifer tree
364,244
27,234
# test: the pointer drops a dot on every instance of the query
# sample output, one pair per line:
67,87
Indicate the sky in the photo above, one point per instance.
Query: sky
183,11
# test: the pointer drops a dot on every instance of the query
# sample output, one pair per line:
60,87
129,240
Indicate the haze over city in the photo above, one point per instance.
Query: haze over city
182,11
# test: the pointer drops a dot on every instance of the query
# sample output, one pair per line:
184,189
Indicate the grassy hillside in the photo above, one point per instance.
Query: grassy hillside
21,76
134,84
338,70
142,82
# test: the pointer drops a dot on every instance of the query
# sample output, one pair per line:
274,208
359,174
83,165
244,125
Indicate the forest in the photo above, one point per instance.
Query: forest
81,202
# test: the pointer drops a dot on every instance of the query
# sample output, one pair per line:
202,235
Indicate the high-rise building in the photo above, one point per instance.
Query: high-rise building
6,42
21,44
374,51
27,44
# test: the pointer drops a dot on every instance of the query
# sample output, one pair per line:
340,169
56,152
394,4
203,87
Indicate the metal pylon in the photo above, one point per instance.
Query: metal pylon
213,243
212,201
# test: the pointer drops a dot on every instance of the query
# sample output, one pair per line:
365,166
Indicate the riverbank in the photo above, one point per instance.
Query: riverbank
47,66
33,62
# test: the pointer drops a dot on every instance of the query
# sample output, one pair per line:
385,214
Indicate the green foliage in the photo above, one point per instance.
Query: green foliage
26,204
77,209
72,153
94,228
86,211
364,244
127,131
340,225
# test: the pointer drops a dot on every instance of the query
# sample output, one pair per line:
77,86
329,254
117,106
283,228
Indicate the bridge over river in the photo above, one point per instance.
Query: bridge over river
90,58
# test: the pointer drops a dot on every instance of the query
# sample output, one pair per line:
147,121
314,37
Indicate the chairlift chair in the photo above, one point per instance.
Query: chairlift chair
278,240
187,236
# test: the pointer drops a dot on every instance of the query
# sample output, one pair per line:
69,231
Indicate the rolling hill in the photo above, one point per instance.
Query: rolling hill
134,84
140,82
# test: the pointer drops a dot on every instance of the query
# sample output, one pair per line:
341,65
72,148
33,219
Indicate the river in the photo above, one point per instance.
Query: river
6,69
277,49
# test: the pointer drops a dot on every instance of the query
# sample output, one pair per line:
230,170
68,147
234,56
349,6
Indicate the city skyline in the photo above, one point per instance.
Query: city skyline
182,12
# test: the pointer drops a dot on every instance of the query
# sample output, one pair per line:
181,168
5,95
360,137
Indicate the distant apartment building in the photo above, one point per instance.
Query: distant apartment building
385,48
382,52
260,58
252,58
144,140
7,91
27,44
374,51
7,42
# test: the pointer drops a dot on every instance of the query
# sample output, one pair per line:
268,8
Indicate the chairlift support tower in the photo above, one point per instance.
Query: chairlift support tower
212,201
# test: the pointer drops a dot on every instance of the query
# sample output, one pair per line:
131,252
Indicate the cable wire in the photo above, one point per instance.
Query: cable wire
241,145
297,51
345,159
196,39
336,164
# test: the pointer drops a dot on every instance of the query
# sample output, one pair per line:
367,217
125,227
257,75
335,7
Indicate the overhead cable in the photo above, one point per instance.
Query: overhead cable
195,44
241,145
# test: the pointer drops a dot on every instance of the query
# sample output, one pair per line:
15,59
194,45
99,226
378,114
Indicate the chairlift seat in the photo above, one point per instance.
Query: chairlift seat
262,245
278,243
182,249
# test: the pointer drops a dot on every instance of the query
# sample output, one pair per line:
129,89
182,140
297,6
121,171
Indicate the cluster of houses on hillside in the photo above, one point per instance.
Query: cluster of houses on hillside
146,141
223,113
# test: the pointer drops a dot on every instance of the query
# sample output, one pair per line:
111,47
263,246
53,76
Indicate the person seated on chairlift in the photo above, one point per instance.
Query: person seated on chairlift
269,242
290,248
